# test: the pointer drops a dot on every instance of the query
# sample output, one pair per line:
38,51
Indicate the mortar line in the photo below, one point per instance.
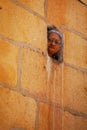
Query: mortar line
53,96
23,92
71,111
64,108
37,99
75,112
65,27
37,116
26,93
76,67
13,88
28,9
19,69
16,43
63,77
23,44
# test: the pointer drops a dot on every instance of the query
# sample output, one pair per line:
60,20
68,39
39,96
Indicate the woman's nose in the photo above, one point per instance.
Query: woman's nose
53,42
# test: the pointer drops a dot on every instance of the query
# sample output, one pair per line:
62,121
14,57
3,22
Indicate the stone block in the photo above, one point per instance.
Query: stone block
40,78
75,89
37,6
8,63
76,16
71,122
16,111
56,11
75,50
34,73
70,13
50,117
22,26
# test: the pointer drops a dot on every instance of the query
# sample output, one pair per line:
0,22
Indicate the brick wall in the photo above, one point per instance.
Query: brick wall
37,93
70,16
22,63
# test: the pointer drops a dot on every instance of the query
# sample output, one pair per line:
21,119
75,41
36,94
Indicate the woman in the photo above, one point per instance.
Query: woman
55,43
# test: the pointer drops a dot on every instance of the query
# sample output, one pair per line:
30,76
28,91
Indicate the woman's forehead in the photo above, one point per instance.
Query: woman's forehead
54,35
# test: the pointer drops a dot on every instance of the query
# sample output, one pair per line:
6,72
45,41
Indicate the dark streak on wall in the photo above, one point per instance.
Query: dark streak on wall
85,4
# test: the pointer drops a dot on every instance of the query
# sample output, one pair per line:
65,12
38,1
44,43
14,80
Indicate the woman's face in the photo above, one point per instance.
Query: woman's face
54,42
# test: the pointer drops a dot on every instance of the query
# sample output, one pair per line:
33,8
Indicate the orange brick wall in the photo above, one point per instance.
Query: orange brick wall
35,92
70,16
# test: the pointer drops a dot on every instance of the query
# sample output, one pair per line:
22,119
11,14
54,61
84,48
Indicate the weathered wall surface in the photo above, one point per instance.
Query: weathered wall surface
71,17
37,93
22,63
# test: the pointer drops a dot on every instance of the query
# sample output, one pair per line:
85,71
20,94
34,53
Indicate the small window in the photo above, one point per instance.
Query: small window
55,43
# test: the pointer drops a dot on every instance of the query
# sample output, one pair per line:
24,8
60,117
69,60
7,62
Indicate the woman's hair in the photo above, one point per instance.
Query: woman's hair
50,29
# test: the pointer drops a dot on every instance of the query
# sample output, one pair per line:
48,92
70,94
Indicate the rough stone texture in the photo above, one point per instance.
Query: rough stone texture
75,50
54,84
71,122
47,82
37,6
8,63
75,89
18,23
16,110
71,17
50,117
68,12
34,73
76,16
55,12
40,81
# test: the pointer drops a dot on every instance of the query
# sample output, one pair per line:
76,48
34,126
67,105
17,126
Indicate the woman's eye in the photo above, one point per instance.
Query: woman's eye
56,42
50,40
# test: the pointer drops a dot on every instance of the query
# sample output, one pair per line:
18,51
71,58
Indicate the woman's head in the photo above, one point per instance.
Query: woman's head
52,28
54,41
